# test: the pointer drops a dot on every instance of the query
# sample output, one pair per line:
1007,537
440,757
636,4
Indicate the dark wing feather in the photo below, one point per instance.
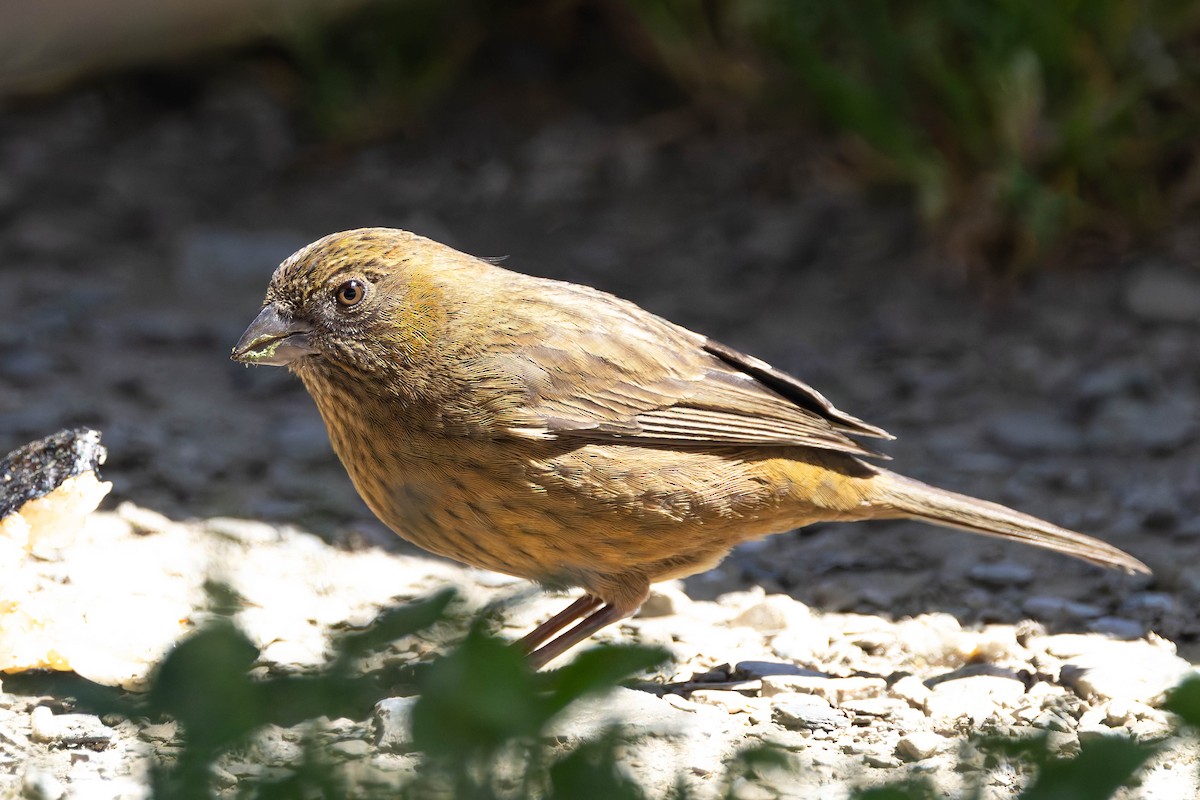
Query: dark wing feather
651,382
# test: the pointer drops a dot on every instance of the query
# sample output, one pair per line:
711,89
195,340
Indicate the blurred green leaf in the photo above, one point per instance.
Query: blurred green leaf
204,684
1102,767
1184,700
595,669
476,698
592,770
394,623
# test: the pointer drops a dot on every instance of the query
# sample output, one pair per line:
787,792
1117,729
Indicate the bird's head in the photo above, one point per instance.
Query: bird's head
359,301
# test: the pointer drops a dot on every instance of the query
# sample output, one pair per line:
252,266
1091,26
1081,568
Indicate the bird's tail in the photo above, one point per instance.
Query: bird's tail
916,500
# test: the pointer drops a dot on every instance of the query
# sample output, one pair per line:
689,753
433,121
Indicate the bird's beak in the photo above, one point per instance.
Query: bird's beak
273,339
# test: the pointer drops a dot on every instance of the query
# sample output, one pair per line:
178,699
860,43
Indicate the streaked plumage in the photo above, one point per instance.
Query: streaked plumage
561,434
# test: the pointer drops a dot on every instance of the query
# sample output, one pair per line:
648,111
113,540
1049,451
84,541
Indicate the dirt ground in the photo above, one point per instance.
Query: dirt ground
140,221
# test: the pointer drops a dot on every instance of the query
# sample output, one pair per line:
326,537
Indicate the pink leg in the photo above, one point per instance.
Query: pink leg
556,647
581,607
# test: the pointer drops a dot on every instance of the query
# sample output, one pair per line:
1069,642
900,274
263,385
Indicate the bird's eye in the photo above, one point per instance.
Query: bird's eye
350,294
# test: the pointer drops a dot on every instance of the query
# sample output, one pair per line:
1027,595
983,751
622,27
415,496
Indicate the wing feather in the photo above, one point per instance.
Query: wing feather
625,375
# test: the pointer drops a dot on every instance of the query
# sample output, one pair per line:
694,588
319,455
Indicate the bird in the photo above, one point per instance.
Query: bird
557,433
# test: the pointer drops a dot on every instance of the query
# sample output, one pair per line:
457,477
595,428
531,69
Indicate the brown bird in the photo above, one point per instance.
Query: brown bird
558,433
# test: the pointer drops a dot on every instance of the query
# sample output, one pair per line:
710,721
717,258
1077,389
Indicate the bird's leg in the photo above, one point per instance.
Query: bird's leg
562,619
565,641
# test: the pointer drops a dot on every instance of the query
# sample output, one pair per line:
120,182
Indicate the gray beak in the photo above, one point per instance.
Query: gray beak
273,339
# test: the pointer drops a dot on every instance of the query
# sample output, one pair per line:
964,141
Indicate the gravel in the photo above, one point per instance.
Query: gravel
130,274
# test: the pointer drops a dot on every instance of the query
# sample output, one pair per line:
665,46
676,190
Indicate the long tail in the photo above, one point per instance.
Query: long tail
917,500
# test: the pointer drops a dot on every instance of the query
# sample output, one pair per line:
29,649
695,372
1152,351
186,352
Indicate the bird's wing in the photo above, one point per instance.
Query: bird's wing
631,377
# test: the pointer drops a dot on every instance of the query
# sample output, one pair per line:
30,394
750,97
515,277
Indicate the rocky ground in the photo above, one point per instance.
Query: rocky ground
139,222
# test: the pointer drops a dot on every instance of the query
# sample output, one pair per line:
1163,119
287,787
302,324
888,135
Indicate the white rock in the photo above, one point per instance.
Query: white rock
1130,671
806,712
919,745
392,722
774,614
833,690
70,730
640,715
38,784
665,600
976,697
912,690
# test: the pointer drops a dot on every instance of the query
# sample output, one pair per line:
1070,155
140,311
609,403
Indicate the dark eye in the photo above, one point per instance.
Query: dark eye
350,294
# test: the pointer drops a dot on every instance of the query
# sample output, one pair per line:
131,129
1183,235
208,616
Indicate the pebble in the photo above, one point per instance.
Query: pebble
69,730
350,748
159,732
1062,744
881,761
833,690
977,697
912,690
665,600
1161,293
774,614
920,745
38,784
752,670
640,714
804,712
392,722
1118,627
1129,671
243,531
1050,607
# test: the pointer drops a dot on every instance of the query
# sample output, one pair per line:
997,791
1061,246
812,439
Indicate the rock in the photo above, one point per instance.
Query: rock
880,707
833,690
665,600
881,761
144,520
1130,671
1118,627
391,720
245,531
38,784
912,690
1158,293
920,745
977,697
1049,607
1158,503
806,712
1035,432
159,733
751,670
774,614
1062,744
69,730
350,748
639,714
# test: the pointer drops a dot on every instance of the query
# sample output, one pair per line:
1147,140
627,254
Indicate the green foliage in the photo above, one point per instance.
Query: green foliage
1184,700
381,68
480,722
1014,122
1102,767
